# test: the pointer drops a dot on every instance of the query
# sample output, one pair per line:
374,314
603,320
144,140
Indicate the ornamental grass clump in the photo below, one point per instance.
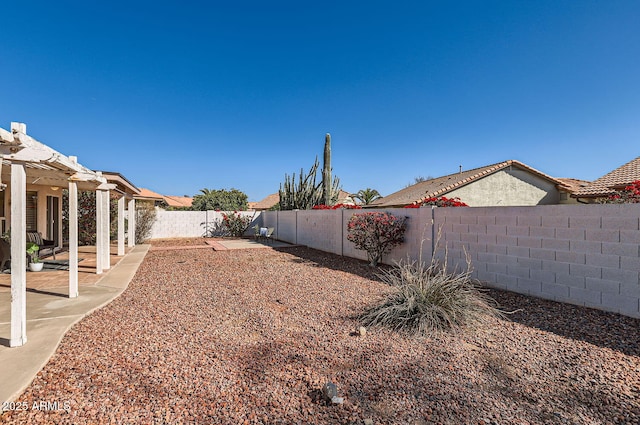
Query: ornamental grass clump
428,299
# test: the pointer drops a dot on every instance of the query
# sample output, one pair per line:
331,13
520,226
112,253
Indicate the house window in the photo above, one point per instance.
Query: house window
32,211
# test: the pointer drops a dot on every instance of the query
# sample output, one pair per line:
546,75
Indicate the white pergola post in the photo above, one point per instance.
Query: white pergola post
99,232
73,239
121,225
106,229
132,223
18,255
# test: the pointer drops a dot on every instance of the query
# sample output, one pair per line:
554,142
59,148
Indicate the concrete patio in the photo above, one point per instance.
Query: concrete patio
50,313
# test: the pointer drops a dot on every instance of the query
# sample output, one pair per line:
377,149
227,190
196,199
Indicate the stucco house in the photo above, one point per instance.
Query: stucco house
609,183
508,183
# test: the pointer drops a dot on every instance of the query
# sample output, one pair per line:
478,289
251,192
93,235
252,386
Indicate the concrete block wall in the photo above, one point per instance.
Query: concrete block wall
326,230
189,224
581,254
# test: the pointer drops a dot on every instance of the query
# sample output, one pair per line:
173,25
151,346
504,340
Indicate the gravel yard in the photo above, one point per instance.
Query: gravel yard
251,336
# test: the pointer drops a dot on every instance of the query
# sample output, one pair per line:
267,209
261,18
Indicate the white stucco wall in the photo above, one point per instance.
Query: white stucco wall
509,187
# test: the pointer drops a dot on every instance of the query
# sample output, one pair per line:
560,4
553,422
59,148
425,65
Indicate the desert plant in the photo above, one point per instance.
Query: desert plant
376,232
304,193
145,217
429,298
236,223
327,197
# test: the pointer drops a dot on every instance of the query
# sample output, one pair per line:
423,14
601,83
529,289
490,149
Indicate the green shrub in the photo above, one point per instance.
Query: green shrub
428,298
236,223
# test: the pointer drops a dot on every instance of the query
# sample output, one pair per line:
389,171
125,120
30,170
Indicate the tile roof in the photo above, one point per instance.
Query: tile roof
572,185
616,179
267,202
149,195
171,201
442,185
178,201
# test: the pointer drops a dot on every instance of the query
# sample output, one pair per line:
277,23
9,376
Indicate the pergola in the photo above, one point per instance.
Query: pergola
26,161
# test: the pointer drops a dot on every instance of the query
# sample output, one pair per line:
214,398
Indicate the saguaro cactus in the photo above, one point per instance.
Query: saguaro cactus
326,171
303,193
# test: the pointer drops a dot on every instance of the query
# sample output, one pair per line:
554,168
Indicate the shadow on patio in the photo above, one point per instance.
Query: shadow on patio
48,279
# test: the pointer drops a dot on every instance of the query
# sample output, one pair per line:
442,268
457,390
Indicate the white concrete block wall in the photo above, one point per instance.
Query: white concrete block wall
321,229
174,224
326,230
189,224
583,254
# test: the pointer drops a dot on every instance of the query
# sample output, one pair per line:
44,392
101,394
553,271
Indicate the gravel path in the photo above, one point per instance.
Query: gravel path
251,336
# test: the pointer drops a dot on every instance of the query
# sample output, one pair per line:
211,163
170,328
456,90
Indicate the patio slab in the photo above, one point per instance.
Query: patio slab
224,244
50,314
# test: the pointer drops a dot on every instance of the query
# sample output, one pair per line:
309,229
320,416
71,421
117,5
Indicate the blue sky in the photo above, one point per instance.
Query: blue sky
180,96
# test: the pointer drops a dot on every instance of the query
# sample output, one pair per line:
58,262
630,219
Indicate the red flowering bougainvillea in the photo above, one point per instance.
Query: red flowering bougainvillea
441,201
337,207
629,195
235,223
376,233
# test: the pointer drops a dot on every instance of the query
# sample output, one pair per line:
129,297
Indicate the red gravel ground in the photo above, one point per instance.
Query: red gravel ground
251,336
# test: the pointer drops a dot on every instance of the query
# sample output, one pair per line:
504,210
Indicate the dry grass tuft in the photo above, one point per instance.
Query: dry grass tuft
430,298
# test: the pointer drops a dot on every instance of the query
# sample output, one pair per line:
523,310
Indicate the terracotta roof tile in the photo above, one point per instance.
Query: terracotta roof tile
178,201
267,202
616,179
148,194
572,185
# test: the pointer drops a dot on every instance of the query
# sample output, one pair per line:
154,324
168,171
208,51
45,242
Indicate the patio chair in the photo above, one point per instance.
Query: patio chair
5,254
44,244
265,233
268,235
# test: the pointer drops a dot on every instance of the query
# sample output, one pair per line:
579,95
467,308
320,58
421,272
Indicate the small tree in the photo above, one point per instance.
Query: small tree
145,217
87,216
367,196
221,200
376,232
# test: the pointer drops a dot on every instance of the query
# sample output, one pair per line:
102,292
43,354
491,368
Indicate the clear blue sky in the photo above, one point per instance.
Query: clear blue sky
183,95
